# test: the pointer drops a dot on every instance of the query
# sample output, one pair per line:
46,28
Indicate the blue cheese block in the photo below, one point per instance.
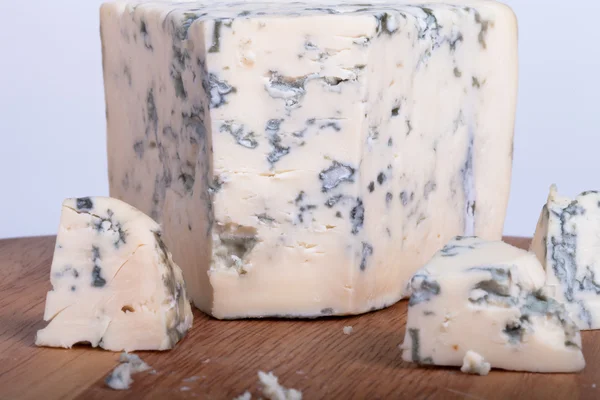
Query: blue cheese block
303,159
481,305
114,283
567,242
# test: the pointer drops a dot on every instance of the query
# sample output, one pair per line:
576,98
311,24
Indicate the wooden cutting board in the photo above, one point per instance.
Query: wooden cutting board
220,359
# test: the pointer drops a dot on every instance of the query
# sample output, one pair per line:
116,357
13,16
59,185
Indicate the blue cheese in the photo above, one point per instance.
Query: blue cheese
566,241
273,390
306,161
244,396
120,377
114,283
480,304
474,363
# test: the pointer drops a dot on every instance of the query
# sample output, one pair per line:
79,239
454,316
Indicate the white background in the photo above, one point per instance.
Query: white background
52,109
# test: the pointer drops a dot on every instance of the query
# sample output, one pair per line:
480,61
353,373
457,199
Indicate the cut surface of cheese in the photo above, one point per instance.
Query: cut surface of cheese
114,283
478,300
305,160
567,242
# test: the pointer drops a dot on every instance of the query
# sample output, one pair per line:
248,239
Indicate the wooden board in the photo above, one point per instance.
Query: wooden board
220,359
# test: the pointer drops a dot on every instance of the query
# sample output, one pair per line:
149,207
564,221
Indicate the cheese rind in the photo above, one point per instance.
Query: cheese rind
305,161
114,283
487,298
566,242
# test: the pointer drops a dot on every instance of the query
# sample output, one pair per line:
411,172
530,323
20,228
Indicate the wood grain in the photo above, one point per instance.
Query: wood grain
220,359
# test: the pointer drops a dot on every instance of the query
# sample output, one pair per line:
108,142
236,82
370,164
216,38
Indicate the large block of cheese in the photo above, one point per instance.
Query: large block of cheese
567,242
478,300
305,160
114,283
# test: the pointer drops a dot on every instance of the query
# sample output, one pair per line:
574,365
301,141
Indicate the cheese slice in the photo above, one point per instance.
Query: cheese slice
479,302
567,242
114,283
305,160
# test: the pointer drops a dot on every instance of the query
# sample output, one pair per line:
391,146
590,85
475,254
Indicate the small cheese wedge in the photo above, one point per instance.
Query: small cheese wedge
114,283
487,298
567,242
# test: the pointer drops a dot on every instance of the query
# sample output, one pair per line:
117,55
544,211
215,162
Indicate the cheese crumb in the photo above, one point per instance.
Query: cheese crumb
348,330
120,377
474,363
244,396
185,388
137,365
272,390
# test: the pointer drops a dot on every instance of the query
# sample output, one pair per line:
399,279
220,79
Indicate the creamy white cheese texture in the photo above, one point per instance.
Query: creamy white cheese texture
305,160
474,363
272,389
114,283
487,298
567,242
244,396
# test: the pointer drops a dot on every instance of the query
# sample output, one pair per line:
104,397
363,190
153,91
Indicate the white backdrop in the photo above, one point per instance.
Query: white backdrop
52,109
